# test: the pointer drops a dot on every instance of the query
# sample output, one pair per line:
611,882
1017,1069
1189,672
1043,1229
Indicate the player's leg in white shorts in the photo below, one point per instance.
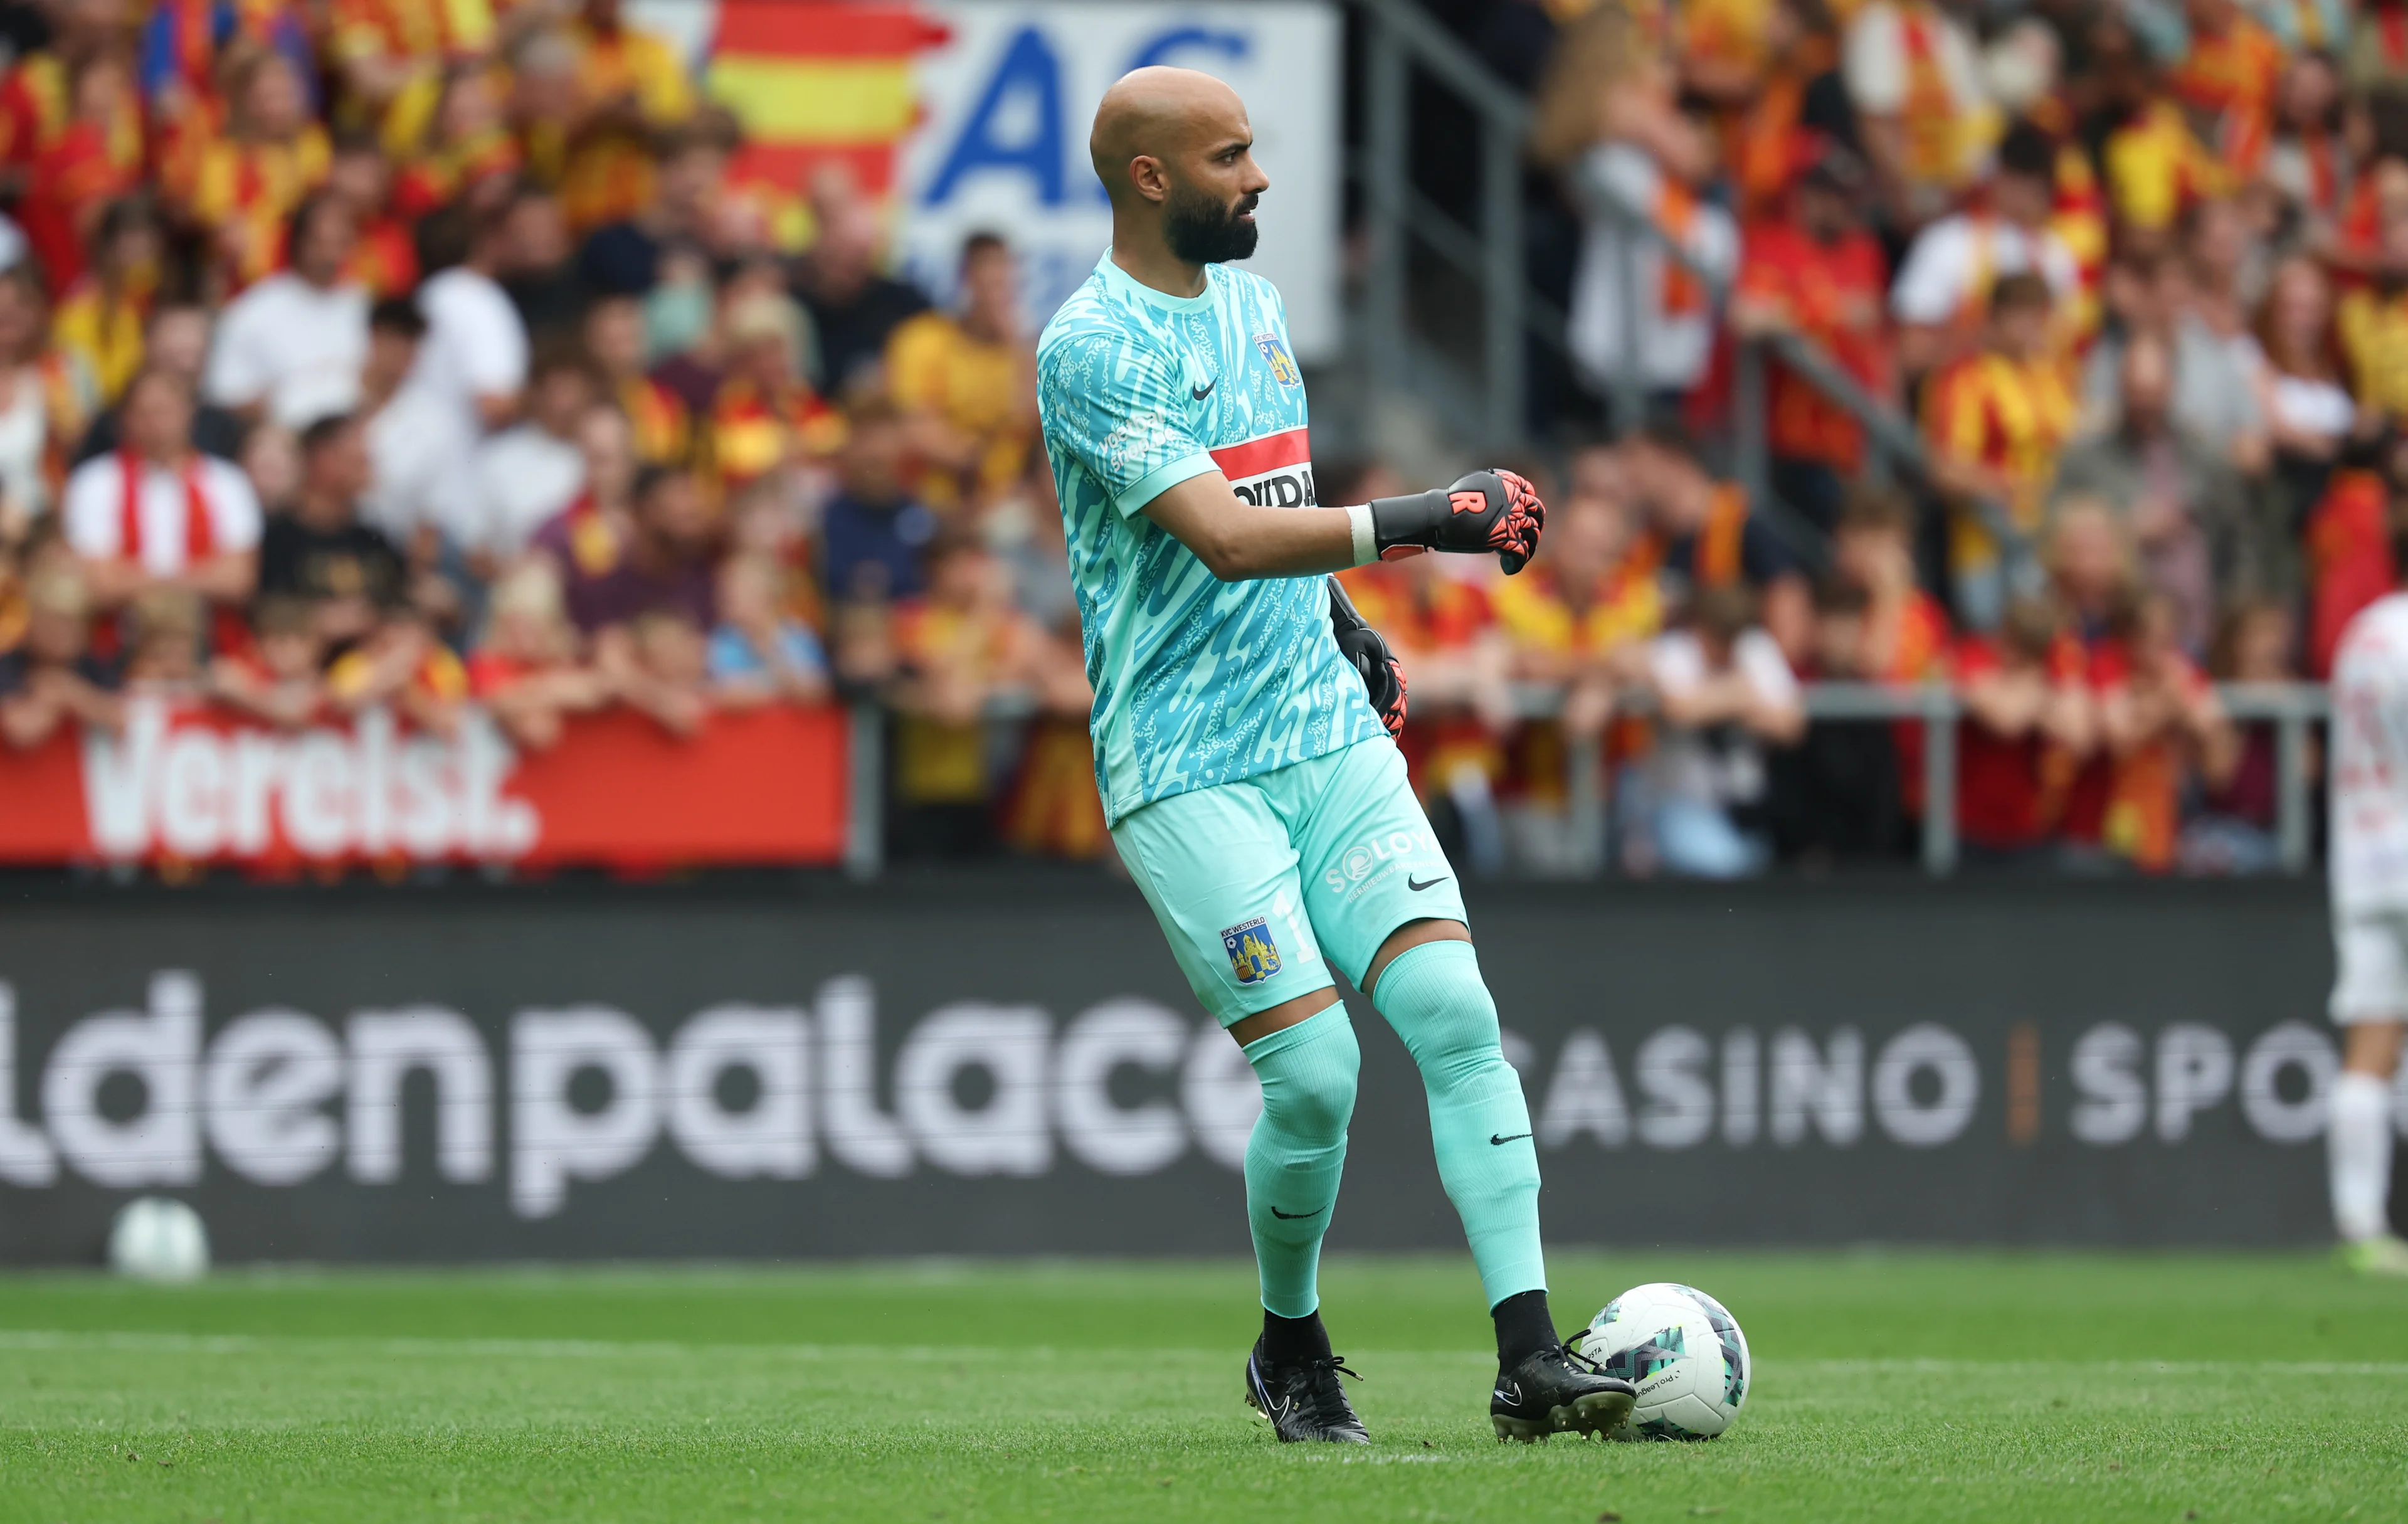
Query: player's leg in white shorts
2370,1000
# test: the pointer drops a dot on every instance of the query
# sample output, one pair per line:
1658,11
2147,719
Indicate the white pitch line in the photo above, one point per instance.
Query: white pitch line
245,1343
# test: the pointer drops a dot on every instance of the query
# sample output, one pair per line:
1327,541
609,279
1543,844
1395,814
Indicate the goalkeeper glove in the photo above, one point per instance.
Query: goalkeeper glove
1384,676
1487,510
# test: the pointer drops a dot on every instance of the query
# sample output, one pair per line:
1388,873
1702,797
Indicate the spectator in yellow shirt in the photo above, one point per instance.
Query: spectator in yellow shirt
2374,326
632,86
1996,421
968,383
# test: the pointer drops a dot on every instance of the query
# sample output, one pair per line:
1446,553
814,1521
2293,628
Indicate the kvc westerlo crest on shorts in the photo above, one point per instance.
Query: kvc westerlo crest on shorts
1252,955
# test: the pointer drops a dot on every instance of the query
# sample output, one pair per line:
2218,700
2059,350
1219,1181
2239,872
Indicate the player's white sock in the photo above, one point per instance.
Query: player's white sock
2357,1139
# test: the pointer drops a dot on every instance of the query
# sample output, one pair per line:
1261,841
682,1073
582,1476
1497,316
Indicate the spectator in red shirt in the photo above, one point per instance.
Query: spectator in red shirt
2028,717
2161,723
1817,272
280,680
526,672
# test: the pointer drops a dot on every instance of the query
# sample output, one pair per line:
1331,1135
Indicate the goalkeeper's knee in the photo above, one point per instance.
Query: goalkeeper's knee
1434,997
1308,1075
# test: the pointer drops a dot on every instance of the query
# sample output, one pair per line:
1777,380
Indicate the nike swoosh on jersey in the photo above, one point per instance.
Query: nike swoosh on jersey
1417,886
1200,393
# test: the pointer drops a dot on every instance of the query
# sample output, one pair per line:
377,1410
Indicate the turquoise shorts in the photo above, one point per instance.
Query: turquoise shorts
1266,884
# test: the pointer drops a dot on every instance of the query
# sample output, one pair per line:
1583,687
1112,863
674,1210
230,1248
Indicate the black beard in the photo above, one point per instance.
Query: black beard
1202,230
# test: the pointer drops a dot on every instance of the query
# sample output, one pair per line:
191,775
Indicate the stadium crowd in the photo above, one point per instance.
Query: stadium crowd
389,353
2136,271
381,352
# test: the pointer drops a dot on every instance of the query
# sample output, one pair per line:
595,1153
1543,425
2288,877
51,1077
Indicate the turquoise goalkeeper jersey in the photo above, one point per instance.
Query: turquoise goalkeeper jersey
1198,682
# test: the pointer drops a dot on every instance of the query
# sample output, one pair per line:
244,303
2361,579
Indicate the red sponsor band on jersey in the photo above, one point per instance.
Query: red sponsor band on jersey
1275,470
1258,457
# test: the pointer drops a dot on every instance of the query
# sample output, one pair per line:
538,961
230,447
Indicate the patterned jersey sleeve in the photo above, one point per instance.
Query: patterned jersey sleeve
1117,408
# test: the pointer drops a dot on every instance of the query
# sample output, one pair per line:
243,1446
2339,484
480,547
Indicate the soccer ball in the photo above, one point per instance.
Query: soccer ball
156,1239
1681,1349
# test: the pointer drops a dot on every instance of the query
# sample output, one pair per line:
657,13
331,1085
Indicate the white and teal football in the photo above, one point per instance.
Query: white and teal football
1682,1350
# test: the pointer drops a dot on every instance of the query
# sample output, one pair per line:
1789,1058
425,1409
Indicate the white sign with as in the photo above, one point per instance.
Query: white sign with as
1002,146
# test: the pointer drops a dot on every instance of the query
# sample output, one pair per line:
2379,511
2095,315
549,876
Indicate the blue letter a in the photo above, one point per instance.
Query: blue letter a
1028,68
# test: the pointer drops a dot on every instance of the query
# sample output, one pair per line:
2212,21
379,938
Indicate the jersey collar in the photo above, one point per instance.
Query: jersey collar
1121,282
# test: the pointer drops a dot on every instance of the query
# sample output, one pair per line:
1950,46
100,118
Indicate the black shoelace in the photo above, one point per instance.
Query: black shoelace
1577,1361
1327,1397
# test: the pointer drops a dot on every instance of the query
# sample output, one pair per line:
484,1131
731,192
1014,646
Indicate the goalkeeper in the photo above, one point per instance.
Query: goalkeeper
1243,725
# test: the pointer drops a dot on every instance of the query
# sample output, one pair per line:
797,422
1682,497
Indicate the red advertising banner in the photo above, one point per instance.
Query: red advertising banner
765,785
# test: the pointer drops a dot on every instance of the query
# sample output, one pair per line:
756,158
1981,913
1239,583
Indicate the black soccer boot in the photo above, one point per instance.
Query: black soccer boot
1303,1400
1556,1389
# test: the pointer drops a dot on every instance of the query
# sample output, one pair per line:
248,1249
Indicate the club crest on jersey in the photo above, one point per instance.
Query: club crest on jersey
1252,955
1275,354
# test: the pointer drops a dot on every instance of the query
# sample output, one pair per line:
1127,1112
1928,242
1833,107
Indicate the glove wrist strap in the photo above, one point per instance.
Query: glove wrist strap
1406,521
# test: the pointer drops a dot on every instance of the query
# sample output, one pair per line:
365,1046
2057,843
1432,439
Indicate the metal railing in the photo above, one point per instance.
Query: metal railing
2292,708
1893,444
1400,38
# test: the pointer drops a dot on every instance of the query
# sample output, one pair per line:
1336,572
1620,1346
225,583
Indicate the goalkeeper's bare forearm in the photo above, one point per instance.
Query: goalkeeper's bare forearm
1485,513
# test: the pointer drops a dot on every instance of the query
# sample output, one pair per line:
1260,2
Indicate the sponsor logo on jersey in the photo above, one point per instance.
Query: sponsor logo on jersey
1275,354
1275,470
1252,955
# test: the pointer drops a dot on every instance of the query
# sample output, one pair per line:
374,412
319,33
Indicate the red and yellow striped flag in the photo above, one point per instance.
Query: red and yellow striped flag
816,81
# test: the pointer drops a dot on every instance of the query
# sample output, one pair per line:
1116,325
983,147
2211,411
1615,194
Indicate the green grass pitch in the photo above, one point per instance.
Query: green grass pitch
1888,1387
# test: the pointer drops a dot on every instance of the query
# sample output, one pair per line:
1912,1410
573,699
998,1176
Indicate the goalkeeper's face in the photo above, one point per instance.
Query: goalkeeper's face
1208,208
1203,229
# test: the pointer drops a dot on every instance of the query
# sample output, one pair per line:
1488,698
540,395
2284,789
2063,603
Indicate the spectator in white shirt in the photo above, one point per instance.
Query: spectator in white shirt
474,360
413,440
530,471
1914,72
1651,174
159,514
289,348
1942,293
1723,690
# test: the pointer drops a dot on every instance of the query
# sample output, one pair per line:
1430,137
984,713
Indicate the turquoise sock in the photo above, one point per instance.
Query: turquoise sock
1297,1150
1480,1125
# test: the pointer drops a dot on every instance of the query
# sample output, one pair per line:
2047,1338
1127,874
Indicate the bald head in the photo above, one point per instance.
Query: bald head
1175,154
1161,113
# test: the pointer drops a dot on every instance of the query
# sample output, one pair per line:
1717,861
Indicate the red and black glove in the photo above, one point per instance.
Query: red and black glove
1383,676
1487,510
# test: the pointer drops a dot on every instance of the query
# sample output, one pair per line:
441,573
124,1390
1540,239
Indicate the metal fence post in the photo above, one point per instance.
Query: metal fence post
2291,785
1754,471
864,833
1500,176
1585,809
1939,780
1387,83
1629,379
